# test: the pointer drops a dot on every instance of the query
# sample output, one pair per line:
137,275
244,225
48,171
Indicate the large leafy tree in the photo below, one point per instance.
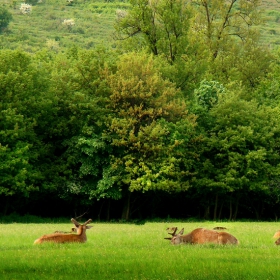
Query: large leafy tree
79,84
149,128
241,152
21,103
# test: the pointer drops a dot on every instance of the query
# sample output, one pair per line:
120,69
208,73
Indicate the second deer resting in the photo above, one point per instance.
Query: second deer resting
201,236
80,236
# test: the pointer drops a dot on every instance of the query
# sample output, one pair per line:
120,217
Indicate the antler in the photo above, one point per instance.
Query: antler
75,222
173,233
87,222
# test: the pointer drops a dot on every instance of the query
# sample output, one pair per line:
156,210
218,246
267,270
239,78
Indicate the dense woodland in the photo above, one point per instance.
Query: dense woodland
176,114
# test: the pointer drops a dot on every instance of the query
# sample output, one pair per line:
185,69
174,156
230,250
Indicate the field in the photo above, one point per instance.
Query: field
129,251
94,24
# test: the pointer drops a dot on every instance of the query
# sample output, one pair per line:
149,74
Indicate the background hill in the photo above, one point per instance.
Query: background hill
93,24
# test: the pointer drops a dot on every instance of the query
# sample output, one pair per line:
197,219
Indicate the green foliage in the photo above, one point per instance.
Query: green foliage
242,145
207,93
146,110
198,111
19,92
5,18
163,25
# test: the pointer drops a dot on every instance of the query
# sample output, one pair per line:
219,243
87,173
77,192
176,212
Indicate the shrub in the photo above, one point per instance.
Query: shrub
5,18
25,8
69,23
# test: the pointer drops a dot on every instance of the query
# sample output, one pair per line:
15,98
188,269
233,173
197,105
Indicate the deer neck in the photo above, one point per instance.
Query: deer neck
187,238
81,231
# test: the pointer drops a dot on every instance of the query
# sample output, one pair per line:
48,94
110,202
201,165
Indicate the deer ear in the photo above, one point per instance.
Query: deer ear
169,238
181,231
88,227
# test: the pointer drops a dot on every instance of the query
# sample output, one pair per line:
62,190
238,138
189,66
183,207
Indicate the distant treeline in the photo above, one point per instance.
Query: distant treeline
173,122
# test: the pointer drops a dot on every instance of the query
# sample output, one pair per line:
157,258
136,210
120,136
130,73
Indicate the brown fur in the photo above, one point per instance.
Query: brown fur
277,234
67,237
277,242
202,236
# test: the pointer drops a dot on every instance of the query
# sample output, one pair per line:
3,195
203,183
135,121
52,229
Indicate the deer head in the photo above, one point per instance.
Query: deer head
176,238
80,228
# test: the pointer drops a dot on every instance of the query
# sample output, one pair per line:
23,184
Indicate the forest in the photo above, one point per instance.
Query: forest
140,109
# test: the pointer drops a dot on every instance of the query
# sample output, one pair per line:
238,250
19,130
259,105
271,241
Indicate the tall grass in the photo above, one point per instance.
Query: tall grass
129,251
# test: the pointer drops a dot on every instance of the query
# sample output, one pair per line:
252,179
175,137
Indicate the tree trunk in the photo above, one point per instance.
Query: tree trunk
207,212
215,208
236,207
108,210
6,206
100,210
230,208
126,208
221,210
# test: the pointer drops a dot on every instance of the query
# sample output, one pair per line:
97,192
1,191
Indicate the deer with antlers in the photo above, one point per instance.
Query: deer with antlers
80,236
277,235
202,236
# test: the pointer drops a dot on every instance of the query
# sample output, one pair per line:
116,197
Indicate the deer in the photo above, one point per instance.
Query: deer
202,236
277,234
80,236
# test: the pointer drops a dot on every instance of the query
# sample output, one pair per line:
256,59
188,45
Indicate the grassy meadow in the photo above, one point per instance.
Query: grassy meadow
129,251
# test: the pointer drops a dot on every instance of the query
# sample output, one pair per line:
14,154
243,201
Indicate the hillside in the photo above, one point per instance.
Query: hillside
44,26
271,29
93,24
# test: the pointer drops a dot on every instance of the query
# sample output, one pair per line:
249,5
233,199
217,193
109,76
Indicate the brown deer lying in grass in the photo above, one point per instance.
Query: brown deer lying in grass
80,236
277,234
202,236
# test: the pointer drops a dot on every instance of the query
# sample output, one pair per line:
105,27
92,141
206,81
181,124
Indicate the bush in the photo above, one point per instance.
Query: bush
5,18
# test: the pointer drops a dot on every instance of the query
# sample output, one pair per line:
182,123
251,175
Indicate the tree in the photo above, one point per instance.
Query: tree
223,22
241,153
150,130
228,31
79,83
163,25
19,109
5,18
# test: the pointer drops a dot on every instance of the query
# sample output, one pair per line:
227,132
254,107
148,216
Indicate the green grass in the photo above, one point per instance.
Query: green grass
128,251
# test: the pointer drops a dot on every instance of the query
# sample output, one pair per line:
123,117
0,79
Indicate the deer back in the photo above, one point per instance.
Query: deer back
202,236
